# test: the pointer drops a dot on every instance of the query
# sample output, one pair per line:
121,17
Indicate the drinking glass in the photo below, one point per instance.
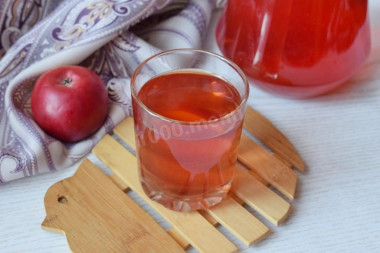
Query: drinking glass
296,48
188,109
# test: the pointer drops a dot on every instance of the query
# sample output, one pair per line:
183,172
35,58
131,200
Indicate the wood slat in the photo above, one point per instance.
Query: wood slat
259,197
119,183
283,160
172,232
126,131
96,216
190,225
236,198
267,166
256,175
239,221
179,238
229,213
259,126
209,218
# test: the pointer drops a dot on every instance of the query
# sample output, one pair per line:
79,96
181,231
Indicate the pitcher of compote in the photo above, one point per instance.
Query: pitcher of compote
296,48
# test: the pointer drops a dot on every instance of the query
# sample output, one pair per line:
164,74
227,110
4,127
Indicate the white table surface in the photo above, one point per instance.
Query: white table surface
337,205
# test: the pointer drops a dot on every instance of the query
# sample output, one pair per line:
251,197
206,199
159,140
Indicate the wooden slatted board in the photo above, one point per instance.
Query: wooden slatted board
84,206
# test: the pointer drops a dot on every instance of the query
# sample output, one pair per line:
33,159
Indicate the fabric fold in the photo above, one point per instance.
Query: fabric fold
112,37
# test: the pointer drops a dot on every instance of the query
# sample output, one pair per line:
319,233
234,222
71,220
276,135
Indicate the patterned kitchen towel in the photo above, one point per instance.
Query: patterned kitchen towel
109,36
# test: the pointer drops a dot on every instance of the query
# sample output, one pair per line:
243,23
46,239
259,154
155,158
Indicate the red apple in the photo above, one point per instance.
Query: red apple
70,102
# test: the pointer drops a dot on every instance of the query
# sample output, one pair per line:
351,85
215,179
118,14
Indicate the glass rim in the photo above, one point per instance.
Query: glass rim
166,52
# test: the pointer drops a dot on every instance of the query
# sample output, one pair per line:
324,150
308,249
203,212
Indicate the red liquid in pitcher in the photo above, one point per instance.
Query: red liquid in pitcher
297,48
184,160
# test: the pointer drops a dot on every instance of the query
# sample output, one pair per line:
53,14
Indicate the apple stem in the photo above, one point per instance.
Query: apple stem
67,81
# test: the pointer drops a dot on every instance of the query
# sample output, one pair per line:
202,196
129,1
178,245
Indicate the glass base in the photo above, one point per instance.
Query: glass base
188,203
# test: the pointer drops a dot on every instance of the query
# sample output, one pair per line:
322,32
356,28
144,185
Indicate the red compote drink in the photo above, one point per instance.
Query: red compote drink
195,158
297,48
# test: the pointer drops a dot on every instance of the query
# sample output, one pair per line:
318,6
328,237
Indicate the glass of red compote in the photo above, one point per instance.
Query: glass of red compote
296,48
188,109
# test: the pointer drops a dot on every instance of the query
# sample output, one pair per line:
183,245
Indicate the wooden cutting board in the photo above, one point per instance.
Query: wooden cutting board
96,215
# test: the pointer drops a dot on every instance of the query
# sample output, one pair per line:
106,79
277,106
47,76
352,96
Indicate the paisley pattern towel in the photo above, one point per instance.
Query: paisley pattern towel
109,36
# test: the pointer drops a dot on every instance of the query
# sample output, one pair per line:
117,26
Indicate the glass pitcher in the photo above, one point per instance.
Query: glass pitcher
296,48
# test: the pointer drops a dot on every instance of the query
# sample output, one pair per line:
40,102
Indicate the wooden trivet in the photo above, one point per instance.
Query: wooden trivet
97,216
